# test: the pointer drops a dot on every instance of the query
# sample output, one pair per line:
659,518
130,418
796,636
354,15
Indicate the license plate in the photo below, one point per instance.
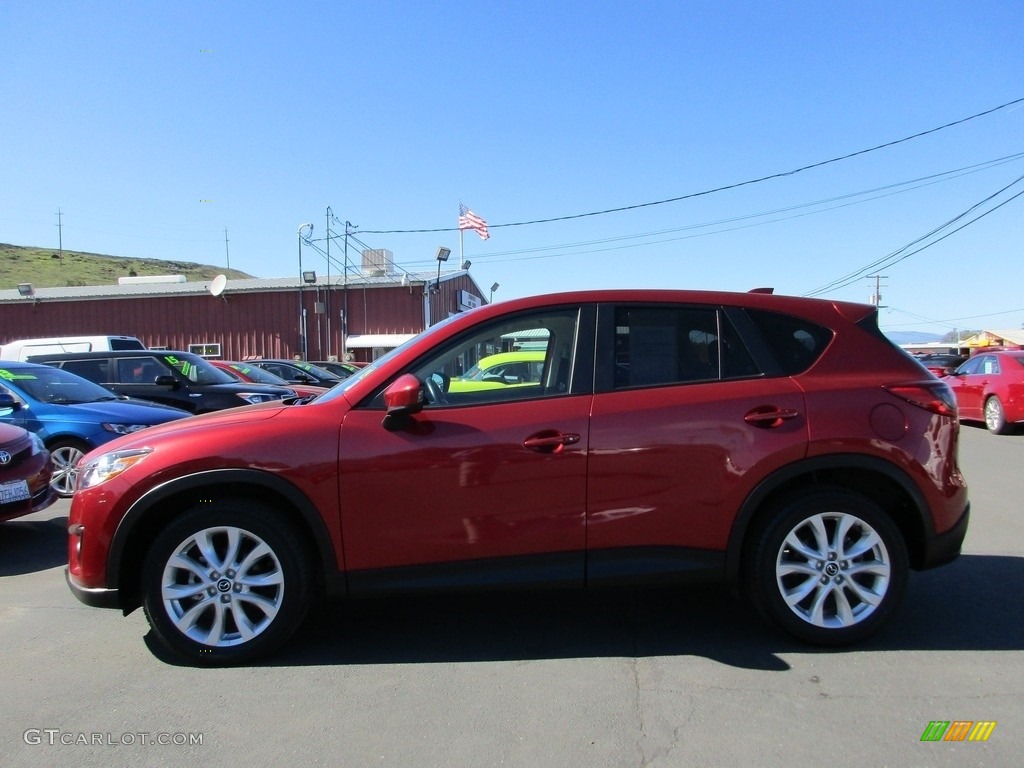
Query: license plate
16,491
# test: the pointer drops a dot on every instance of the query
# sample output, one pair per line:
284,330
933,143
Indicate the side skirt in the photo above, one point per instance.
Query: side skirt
611,567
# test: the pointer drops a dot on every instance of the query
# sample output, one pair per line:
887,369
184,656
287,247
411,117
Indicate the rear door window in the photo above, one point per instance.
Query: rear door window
658,346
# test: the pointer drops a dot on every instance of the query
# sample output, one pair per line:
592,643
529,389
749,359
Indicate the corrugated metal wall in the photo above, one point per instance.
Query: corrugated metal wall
251,324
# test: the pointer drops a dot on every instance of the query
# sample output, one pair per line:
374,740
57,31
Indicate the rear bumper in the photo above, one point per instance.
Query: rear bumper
97,597
945,547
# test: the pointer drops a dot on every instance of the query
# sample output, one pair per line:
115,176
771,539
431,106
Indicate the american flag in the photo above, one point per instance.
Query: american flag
469,220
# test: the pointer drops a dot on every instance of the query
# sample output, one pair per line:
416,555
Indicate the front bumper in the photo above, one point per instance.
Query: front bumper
97,597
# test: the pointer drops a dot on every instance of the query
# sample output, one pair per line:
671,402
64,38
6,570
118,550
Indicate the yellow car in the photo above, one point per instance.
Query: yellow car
505,369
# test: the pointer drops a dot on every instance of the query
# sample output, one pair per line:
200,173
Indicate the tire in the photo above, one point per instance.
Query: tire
226,583
65,455
995,416
821,588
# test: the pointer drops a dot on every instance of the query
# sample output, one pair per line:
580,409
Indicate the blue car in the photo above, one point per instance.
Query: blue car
71,415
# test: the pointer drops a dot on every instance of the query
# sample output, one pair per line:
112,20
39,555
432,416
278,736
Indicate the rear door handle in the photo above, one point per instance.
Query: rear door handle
550,441
769,417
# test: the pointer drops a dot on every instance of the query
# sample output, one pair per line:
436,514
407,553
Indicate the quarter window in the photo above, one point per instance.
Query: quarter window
796,343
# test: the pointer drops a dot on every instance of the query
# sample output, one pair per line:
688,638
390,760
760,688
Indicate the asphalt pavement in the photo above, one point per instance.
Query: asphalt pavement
664,677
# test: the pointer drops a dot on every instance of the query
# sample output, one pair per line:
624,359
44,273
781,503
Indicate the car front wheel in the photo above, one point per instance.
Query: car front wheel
225,583
828,568
65,455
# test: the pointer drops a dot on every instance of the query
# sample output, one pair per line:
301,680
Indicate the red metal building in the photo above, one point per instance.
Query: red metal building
359,316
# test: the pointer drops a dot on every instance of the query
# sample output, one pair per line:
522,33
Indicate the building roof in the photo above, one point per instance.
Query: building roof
254,285
1013,336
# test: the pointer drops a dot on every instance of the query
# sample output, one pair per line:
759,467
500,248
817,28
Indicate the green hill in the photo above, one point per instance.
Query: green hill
48,268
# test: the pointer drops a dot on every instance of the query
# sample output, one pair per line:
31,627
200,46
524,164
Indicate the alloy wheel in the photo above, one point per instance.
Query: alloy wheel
833,570
222,586
65,460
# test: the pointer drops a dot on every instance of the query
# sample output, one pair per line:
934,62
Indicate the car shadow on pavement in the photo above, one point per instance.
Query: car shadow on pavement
29,546
972,604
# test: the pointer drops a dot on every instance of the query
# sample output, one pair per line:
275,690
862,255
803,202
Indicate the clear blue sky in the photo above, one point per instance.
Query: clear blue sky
155,126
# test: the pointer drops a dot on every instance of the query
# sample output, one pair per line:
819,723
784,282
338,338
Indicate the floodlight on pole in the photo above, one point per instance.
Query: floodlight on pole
442,255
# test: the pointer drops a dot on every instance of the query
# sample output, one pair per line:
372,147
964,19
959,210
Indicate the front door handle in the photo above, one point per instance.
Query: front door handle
550,441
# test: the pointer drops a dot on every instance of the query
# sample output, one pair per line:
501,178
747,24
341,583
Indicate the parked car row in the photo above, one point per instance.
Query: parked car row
257,375
71,415
299,372
178,379
77,401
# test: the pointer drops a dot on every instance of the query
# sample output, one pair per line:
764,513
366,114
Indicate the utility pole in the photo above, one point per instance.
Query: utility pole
60,236
876,297
327,294
227,255
344,297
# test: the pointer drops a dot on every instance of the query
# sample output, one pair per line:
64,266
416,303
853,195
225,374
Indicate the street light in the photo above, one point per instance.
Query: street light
302,311
493,289
442,255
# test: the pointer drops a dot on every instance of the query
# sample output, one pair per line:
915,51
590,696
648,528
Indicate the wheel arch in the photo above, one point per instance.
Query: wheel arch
883,482
165,502
69,437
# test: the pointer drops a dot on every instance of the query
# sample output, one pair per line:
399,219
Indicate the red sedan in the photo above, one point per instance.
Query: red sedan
990,387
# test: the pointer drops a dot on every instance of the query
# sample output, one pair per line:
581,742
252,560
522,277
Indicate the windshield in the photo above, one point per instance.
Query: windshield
315,370
258,375
197,369
54,385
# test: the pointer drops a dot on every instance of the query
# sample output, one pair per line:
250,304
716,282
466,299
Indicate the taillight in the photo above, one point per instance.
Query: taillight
934,396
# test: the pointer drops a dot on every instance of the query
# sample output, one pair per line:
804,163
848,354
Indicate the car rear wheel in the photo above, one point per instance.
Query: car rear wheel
829,568
995,417
65,455
226,583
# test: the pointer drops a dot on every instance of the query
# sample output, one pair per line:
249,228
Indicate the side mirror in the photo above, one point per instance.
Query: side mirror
7,402
404,396
166,380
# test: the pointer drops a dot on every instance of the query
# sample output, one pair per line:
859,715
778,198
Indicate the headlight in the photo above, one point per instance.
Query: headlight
123,429
37,444
257,397
109,466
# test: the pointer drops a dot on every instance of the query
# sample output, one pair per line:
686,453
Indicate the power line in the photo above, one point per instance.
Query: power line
895,257
691,195
545,252
948,321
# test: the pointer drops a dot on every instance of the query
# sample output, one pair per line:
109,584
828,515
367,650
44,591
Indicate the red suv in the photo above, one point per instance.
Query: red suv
779,443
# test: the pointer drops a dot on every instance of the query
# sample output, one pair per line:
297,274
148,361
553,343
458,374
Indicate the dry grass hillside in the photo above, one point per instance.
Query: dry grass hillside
48,268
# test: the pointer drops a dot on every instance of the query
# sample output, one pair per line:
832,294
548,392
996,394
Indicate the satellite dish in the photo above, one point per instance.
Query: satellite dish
217,285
